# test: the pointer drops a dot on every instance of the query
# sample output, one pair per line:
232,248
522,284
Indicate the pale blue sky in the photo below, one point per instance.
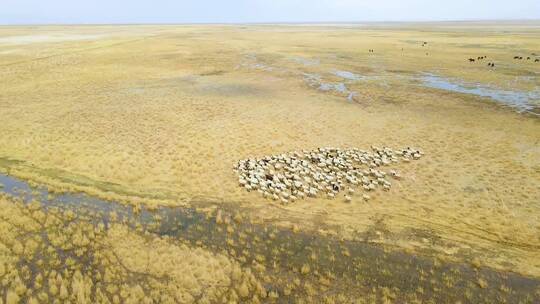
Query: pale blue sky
244,11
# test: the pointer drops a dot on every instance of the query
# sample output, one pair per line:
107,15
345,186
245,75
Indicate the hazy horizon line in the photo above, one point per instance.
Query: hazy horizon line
280,22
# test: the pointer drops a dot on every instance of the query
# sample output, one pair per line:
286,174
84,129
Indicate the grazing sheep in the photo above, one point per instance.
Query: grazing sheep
471,60
289,177
537,60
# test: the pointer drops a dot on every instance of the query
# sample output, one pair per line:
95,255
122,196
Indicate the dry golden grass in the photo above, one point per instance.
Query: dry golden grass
159,114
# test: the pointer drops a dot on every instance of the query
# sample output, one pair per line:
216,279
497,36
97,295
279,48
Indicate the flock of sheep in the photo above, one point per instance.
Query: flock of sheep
325,171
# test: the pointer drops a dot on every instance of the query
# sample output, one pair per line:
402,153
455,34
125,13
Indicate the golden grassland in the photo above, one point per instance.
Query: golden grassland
159,115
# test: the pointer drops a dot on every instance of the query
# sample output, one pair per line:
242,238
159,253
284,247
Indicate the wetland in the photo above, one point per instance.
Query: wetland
139,164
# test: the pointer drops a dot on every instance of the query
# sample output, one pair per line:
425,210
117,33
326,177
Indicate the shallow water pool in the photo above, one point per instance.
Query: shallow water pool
524,101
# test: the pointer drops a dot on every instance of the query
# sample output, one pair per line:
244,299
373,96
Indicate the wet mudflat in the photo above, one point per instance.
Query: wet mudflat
295,265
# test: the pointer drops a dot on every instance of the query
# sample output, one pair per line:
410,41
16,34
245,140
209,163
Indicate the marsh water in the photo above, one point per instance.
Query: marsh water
526,101
359,265
523,101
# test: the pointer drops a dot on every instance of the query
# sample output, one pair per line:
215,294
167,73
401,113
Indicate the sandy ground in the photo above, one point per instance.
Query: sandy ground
159,115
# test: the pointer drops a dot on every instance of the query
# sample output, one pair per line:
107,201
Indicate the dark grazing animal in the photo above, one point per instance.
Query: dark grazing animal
537,60
516,57
471,60
528,58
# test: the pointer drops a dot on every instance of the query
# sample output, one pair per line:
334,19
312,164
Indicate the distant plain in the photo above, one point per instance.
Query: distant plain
158,115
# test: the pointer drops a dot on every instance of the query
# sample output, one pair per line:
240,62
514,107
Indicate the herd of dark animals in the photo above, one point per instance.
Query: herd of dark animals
490,64
528,58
